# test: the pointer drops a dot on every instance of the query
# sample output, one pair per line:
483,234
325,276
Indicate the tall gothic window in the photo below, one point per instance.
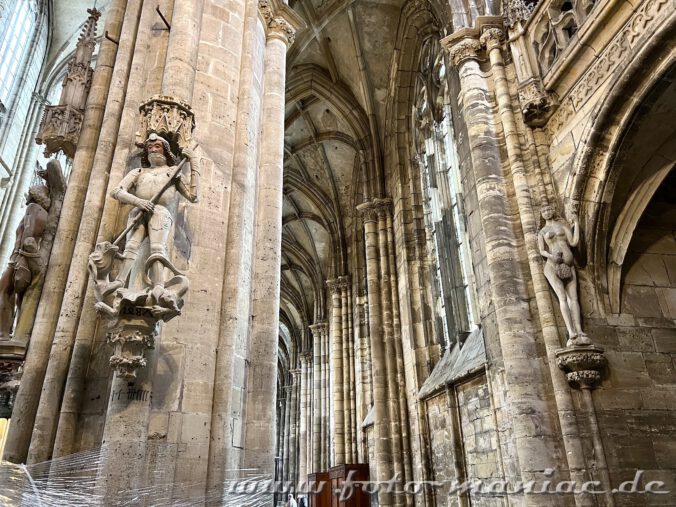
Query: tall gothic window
448,245
16,28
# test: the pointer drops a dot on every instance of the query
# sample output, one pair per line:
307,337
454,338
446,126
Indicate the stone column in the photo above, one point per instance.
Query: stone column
525,381
398,349
347,387
326,400
238,257
179,66
294,425
303,418
287,432
383,208
113,66
382,429
317,396
260,422
336,331
352,383
493,38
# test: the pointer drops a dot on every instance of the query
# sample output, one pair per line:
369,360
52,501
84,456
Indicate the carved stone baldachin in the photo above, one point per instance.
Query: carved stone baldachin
61,124
168,117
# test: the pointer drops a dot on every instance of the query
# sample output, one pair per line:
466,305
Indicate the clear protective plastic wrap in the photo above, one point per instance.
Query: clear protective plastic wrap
75,481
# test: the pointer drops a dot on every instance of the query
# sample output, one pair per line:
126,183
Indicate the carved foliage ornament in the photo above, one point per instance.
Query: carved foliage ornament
582,365
492,38
277,26
518,11
466,49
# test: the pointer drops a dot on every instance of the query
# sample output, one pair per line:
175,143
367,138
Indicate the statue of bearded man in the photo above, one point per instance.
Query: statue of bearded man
152,190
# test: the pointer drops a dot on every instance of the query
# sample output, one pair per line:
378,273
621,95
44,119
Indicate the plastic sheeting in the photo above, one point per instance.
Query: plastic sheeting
75,481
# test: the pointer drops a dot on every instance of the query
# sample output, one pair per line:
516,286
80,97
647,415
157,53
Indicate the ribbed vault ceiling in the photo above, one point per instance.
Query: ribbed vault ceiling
337,85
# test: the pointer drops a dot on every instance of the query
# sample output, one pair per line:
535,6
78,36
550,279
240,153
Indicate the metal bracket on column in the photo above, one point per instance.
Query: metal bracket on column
164,20
117,43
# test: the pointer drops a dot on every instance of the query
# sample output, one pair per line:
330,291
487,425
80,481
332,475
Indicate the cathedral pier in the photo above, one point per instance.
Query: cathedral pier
493,38
524,376
123,22
262,377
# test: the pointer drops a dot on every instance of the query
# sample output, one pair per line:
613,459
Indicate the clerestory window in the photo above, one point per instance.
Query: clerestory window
16,29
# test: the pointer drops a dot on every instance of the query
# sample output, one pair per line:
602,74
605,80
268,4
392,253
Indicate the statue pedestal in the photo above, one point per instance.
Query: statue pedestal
582,365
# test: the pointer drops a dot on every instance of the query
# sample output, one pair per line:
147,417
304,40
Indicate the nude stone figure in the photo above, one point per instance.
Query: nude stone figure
139,188
25,262
555,240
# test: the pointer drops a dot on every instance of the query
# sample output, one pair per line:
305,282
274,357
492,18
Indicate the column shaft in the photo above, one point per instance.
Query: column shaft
238,258
180,64
382,452
260,414
317,396
337,361
571,440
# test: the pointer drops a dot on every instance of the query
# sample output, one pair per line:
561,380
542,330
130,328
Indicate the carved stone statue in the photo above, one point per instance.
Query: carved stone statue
134,305
25,263
555,242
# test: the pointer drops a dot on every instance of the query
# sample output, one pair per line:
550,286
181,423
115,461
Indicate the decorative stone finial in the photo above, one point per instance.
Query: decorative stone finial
518,11
61,124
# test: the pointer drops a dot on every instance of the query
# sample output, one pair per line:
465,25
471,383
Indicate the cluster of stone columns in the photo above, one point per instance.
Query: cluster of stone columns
342,359
524,377
291,472
392,445
320,399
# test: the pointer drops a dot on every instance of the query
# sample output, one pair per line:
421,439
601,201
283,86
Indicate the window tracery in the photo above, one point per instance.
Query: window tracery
447,239
16,29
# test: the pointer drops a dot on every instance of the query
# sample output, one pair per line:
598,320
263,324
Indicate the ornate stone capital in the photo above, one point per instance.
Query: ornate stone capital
492,38
279,28
383,206
318,328
462,50
582,365
368,212
281,22
335,286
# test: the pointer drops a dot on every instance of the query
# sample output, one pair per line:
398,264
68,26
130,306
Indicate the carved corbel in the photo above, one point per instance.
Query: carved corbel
537,105
582,365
